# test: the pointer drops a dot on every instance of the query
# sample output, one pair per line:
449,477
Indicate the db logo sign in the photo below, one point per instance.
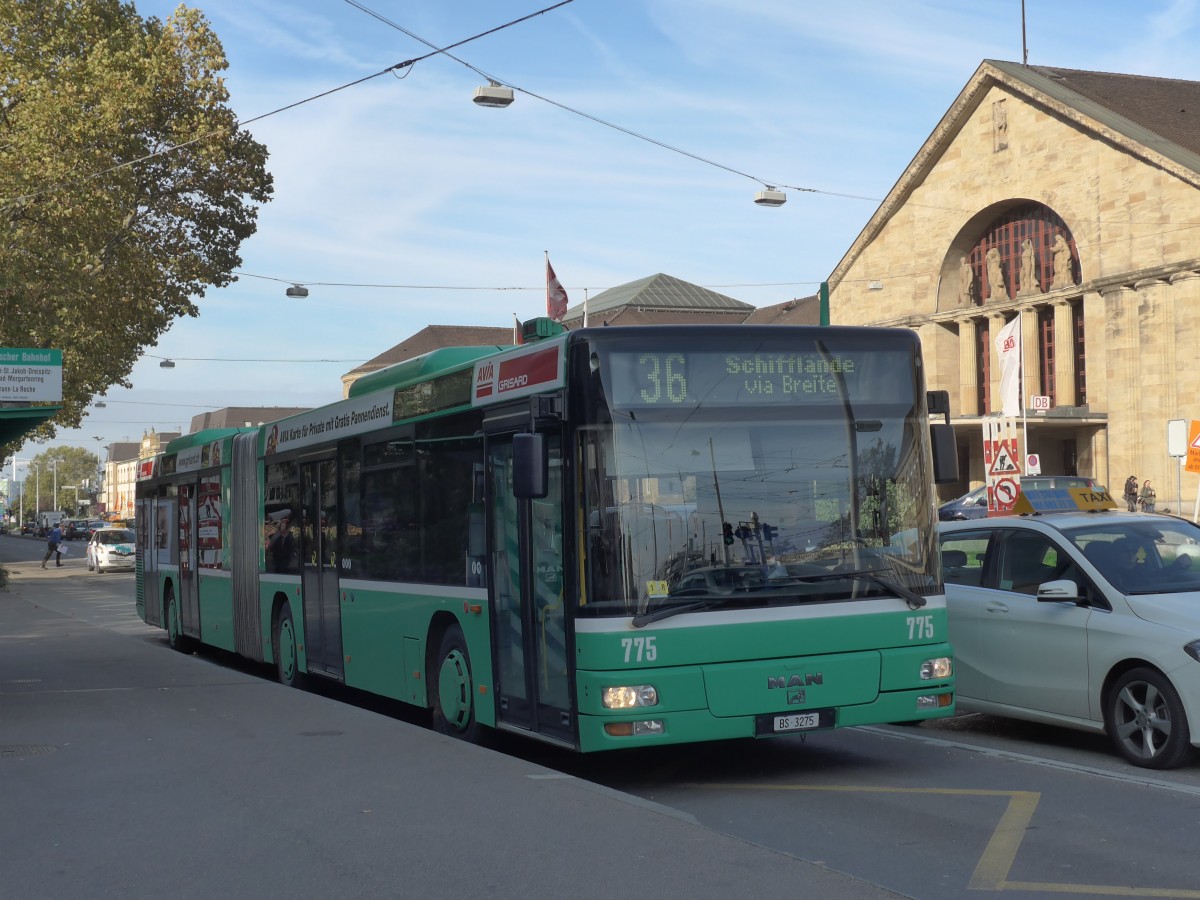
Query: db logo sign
1010,343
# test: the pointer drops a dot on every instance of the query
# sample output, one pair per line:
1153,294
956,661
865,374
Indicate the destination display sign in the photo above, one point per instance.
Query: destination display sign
681,378
30,374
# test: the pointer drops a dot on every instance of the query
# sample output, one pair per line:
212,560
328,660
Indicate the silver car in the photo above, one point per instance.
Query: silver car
109,549
1086,620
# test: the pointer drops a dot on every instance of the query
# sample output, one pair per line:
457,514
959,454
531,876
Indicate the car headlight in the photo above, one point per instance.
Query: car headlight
1193,650
628,697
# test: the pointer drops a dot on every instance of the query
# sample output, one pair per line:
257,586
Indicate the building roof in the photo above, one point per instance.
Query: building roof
433,337
123,451
656,292
1154,119
800,311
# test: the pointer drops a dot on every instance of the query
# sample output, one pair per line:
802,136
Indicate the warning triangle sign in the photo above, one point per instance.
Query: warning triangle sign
1003,462
1195,445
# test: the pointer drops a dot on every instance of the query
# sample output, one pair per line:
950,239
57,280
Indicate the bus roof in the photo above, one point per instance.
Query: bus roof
420,368
200,438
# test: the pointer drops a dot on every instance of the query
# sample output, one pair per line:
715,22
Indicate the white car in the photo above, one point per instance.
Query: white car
1088,620
109,549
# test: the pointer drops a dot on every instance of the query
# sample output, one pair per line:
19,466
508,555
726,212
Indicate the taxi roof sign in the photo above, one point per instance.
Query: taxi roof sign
1049,500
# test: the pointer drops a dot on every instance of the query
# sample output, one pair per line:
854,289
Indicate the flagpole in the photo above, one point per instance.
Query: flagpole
1021,382
547,254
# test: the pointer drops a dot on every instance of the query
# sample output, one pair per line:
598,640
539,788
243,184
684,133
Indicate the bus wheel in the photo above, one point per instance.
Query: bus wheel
175,637
283,644
450,688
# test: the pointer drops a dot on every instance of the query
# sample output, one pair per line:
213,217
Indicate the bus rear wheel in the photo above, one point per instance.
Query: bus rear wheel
450,693
175,636
283,645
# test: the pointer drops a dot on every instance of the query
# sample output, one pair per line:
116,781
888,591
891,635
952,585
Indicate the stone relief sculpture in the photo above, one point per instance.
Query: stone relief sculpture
996,288
1063,275
966,282
1029,283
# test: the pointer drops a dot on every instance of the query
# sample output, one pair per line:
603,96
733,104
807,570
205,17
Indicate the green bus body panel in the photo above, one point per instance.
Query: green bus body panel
200,438
836,628
777,667
216,611
420,368
384,631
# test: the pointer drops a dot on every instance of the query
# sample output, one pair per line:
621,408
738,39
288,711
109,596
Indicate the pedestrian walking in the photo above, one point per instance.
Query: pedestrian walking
1147,496
1131,492
53,541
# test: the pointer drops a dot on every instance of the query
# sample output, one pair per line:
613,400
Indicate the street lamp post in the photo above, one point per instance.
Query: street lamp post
54,496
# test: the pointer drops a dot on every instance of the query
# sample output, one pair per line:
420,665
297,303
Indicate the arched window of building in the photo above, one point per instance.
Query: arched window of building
1023,263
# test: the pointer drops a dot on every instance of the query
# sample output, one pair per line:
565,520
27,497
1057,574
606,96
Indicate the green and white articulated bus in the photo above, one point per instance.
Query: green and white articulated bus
604,538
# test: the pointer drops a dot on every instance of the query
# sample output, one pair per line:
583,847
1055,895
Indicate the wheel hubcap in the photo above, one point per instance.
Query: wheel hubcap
454,690
287,650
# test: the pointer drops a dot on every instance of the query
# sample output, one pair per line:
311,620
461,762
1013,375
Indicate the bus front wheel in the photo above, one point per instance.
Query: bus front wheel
283,644
450,693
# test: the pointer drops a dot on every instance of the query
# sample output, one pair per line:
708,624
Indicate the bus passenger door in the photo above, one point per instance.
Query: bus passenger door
319,573
189,595
149,601
529,621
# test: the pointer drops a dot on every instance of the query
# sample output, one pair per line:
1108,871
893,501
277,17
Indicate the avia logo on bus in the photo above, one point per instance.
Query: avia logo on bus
794,684
525,372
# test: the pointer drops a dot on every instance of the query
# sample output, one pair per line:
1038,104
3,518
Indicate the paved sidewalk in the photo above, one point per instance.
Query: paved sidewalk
128,770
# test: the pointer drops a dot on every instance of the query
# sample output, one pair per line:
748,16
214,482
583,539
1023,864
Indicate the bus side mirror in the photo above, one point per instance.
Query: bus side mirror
531,467
945,453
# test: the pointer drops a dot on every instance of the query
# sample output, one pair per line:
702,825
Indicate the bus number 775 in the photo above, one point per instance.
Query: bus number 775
639,649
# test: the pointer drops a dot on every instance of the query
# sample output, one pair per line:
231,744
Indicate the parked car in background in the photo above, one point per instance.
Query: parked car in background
1088,620
1049,482
73,529
29,527
93,526
971,505
109,549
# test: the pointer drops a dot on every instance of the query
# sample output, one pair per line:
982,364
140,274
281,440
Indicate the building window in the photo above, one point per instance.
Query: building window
1080,351
1045,352
1032,222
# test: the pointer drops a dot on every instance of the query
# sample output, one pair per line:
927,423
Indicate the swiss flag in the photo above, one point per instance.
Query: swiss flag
556,294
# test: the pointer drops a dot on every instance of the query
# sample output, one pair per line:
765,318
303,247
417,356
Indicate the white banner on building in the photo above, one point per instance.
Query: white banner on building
1008,349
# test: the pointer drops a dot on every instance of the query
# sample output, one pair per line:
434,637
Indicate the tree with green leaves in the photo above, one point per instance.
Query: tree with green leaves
126,185
60,478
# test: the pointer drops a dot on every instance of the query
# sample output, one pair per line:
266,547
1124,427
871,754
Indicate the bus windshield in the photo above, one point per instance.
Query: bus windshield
719,499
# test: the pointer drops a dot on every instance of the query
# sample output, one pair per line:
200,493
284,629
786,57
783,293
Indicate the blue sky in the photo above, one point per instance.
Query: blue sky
405,182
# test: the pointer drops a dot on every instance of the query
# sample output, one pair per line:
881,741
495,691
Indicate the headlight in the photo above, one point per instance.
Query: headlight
629,697
1193,650
937,669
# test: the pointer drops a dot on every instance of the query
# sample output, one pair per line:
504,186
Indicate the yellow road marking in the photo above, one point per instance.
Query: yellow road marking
991,872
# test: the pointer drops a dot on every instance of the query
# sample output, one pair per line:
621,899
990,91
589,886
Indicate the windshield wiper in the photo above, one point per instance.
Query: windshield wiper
665,612
914,600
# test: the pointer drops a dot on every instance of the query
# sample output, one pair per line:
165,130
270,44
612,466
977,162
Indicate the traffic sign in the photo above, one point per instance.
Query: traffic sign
1033,464
1003,462
1193,448
1006,492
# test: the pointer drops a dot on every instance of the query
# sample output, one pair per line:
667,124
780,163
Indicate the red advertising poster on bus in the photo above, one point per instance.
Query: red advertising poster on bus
208,522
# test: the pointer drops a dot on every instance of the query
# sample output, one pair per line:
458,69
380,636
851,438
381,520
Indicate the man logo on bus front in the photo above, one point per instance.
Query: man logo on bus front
795,685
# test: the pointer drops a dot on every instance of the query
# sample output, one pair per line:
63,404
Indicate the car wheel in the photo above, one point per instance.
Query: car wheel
1145,719
90,566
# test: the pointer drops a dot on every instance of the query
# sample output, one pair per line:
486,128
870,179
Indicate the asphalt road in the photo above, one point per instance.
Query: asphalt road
127,769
